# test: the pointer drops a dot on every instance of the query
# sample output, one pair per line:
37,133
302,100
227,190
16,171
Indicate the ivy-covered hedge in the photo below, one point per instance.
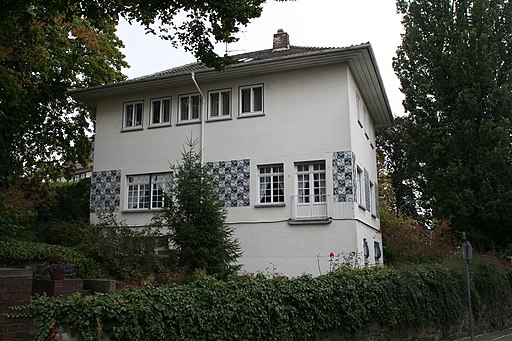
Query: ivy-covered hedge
258,308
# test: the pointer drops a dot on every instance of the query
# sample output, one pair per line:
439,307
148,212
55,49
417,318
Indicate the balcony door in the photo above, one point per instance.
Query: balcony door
311,199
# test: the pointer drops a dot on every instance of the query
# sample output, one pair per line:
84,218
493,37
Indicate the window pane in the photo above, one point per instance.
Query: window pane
246,100
226,103
195,107
167,110
156,111
128,115
214,104
184,103
138,109
258,98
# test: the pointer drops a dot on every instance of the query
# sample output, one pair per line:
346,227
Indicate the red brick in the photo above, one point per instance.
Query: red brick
3,289
5,297
22,335
9,336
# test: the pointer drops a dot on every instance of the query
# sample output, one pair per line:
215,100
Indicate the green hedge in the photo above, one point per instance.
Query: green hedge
257,308
16,252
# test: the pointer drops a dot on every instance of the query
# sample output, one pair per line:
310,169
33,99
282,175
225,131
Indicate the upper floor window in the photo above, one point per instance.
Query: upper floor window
271,184
251,99
133,114
160,111
147,191
219,103
359,109
189,108
360,187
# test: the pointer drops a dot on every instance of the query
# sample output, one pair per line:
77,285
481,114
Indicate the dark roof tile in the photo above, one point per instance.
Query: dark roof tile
240,58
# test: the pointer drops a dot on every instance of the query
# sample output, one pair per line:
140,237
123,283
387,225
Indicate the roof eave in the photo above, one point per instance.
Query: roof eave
360,58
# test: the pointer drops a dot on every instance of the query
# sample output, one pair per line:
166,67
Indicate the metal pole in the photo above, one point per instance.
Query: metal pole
467,253
468,283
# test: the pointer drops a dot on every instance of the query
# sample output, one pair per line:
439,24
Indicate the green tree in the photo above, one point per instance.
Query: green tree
391,143
196,218
455,68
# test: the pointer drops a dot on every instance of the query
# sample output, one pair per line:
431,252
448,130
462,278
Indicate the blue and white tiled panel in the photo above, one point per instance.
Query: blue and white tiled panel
232,180
105,191
343,175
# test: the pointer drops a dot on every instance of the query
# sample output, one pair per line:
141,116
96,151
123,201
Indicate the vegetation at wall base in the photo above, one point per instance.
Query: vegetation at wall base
260,308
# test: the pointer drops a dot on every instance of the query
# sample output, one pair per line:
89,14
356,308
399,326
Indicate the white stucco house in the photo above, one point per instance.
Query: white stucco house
288,134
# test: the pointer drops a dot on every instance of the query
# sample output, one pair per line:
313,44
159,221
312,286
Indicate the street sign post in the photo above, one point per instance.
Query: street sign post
467,253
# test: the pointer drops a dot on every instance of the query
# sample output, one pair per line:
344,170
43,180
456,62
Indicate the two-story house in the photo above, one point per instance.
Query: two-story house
288,134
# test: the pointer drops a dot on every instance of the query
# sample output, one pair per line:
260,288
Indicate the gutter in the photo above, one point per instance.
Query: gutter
203,115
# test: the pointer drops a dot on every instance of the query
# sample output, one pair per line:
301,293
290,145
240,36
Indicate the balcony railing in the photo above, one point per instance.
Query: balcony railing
309,207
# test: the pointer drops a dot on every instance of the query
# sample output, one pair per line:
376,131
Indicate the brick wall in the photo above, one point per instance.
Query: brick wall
15,289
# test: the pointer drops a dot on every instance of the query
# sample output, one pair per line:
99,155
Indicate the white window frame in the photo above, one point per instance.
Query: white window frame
130,117
271,179
253,105
146,191
189,111
314,174
161,117
360,187
219,106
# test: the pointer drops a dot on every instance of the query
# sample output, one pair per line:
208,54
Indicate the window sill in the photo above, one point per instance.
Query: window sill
182,123
124,130
361,207
160,125
142,210
312,221
220,118
251,114
278,204
374,216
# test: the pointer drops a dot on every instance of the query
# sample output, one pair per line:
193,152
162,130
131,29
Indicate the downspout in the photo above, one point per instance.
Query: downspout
203,116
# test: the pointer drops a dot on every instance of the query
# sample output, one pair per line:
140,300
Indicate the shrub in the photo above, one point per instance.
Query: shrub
16,252
126,253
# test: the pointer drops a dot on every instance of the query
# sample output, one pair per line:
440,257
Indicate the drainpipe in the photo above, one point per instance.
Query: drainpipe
203,116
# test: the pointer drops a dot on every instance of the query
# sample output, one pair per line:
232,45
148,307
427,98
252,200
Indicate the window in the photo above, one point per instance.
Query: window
251,99
311,185
133,113
271,184
160,111
377,251
372,198
219,103
190,108
360,187
147,191
358,110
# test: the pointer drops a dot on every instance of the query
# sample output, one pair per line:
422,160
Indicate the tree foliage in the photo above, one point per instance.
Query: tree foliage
196,218
455,68
391,143
44,51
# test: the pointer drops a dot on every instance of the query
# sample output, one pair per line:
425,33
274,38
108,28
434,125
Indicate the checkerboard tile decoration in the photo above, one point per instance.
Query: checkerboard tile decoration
105,191
343,174
232,180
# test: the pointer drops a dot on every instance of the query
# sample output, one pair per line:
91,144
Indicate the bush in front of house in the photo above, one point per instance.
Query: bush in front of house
18,252
259,308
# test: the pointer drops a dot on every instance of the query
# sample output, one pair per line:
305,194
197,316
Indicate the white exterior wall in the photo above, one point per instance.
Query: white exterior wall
309,115
363,145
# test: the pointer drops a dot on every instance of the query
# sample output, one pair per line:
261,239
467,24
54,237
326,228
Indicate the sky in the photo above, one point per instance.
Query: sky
319,23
